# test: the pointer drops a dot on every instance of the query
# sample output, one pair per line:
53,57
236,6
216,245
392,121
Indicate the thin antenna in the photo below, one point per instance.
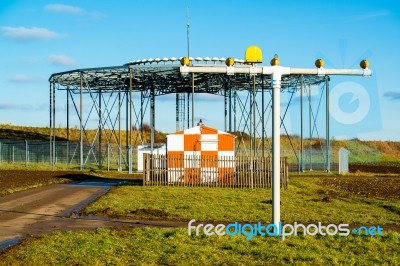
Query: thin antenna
187,31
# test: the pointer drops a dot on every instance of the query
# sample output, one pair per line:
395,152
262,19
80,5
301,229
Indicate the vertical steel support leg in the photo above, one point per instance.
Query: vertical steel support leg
152,118
192,99
310,119
81,122
100,130
234,110
251,120
188,110
54,124
119,131
262,118
141,112
51,125
130,120
177,112
225,109
328,140
254,117
127,127
301,126
230,109
67,127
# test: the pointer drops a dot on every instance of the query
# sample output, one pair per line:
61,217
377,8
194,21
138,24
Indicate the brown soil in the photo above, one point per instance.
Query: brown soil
377,168
370,187
16,180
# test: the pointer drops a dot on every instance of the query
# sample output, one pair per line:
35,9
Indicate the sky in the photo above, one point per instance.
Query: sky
40,37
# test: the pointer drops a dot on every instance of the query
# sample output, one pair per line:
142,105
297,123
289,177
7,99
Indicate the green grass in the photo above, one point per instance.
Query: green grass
150,246
306,201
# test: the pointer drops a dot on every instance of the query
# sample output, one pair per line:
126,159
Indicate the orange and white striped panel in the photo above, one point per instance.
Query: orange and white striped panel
196,155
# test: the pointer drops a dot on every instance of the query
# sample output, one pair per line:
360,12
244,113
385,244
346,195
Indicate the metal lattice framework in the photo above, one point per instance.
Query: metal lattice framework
121,95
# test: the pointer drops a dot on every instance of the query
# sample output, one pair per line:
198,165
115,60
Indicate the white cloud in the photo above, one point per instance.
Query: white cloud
60,8
24,79
379,13
61,60
22,106
22,33
206,97
393,95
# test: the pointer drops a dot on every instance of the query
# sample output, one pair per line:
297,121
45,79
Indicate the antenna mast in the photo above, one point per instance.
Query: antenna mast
187,31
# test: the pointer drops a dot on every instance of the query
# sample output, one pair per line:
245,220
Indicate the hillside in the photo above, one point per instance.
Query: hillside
360,151
13,132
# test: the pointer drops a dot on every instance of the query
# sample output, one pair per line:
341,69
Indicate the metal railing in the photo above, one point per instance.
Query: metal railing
225,171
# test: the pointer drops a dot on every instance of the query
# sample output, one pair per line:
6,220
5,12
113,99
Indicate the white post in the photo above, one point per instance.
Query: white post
276,144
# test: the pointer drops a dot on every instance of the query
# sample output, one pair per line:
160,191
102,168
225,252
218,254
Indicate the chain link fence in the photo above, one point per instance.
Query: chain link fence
66,155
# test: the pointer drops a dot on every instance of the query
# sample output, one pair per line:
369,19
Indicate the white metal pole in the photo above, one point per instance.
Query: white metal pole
276,152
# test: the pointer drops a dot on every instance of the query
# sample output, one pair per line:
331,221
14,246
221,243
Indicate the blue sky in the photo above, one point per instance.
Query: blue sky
39,38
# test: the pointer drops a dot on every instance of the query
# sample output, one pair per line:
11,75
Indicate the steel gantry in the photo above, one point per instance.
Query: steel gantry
119,97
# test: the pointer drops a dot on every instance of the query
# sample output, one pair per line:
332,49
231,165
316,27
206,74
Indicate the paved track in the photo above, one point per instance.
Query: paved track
51,208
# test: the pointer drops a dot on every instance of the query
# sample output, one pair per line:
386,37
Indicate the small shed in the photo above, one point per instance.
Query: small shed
146,149
200,154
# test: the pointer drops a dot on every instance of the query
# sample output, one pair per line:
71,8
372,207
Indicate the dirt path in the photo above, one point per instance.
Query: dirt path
46,209
51,208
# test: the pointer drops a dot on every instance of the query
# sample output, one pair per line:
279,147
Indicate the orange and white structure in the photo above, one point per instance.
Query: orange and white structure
200,154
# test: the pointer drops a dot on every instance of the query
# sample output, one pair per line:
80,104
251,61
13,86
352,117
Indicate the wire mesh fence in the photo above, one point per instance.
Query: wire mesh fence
67,155
64,154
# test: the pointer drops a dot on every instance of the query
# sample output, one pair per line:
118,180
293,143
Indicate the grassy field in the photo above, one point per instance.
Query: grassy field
149,246
308,200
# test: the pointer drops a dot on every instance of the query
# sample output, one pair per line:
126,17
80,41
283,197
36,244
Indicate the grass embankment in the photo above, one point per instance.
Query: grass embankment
308,200
14,132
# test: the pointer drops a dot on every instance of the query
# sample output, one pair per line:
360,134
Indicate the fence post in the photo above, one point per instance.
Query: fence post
129,159
13,151
108,156
26,154
68,154
287,172
147,168
0,152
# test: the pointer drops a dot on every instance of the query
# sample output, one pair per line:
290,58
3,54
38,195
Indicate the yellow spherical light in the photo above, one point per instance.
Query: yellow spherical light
319,63
185,61
229,61
275,61
364,64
